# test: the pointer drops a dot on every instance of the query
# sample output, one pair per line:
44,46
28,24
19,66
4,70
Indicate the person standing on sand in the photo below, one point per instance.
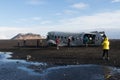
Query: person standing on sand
57,43
69,41
24,43
86,40
106,48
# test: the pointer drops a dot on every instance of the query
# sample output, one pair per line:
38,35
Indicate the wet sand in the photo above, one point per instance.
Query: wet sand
65,55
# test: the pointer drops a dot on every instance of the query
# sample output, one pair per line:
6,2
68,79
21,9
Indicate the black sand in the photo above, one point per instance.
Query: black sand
63,56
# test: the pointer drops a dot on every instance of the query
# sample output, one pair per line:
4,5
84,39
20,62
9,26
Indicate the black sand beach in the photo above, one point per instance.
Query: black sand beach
65,55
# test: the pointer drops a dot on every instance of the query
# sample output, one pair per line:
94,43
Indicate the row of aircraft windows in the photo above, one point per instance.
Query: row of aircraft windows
61,37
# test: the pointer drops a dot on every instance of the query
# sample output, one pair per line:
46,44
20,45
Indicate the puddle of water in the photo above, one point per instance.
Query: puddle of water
75,72
23,70
30,71
5,55
12,69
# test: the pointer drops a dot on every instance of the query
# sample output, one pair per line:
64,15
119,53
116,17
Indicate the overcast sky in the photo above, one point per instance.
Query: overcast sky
42,16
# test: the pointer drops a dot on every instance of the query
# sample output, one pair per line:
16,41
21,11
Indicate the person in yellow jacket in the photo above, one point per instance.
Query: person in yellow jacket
106,47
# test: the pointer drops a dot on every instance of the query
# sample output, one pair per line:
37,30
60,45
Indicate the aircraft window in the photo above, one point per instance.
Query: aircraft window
61,37
55,37
73,38
65,37
48,37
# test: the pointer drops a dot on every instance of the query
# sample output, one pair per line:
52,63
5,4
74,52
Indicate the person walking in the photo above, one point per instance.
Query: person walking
106,48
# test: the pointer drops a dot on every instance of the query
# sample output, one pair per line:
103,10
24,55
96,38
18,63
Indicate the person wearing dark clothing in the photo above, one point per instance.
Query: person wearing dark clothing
24,43
86,40
69,40
57,43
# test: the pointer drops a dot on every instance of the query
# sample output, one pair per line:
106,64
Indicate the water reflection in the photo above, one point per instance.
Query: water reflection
23,70
12,69
75,72
5,55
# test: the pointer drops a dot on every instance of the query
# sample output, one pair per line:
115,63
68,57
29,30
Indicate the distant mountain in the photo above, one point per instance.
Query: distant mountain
26,36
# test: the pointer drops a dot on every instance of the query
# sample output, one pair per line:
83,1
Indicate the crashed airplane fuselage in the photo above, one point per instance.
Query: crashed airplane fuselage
75,39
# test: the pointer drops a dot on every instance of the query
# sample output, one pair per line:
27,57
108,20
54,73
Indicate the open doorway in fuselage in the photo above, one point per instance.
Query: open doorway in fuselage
89,39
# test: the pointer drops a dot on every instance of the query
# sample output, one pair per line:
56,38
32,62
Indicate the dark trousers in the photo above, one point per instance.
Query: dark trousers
105,53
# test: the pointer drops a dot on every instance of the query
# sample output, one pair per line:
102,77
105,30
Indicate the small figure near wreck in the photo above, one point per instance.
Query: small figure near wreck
57,43
106,48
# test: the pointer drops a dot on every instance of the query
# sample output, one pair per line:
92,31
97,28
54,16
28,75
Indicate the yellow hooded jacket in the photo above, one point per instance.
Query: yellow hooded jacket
106,44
